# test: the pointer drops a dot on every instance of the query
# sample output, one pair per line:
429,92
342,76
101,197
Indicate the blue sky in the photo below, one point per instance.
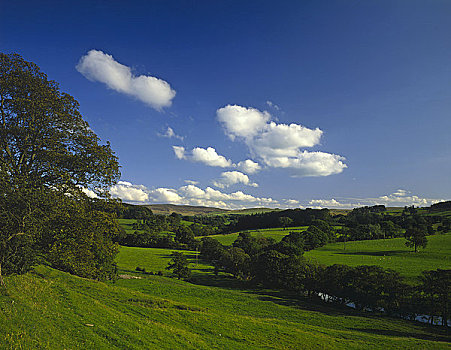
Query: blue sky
244,103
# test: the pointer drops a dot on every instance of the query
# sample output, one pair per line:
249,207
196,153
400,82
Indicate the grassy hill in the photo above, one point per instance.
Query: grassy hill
167,209
50,309
389,253
276,233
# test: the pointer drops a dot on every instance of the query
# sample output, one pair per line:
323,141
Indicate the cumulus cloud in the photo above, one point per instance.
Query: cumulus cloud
241,121
166,195
399,198
400,193
99,66
209,196
279,145
309,163
179,152
328,203
284,140
207,156
189,195
191,182
170,134
129,192
230,178
248,166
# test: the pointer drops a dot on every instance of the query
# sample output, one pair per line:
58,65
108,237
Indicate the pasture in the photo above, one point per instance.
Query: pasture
47,308
389,254
275,233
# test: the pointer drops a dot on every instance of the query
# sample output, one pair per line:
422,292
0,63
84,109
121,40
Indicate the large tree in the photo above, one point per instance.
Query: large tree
416,237
47,153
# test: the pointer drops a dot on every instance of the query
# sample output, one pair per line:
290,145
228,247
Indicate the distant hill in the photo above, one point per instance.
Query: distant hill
167,209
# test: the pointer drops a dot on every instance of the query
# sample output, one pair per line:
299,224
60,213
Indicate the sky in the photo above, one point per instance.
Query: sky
234,104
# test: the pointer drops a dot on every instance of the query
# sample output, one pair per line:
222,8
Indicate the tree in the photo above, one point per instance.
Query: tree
416,237
179,265
285,221
235,261
314,238
436,286
47,151
184,234
247,242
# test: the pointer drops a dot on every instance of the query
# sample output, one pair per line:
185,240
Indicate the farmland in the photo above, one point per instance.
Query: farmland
159,312
389,254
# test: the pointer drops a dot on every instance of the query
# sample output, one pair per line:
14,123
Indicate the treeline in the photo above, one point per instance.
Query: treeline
297,217
282,266
367,223
164,231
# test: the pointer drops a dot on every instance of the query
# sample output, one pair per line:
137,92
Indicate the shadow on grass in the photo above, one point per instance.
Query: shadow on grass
377,253
435,333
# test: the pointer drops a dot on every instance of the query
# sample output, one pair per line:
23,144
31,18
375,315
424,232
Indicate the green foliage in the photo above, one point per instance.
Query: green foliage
285,221
48,154
416,237
314,238
436,289
179,265
44,139
50,309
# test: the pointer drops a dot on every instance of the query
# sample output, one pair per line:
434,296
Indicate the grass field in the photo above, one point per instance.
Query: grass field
48,309
156,259
127,224
276,233
390,253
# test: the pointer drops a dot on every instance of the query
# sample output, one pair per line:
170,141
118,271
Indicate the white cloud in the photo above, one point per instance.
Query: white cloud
279,145
399,198
328,203
207,156
169,133
292,203
191,182
179,152
248,166
230,178
400,193
210,157
126,191
165,195
241,121
309,163
190,195
89,193
99,66
284,140
273,105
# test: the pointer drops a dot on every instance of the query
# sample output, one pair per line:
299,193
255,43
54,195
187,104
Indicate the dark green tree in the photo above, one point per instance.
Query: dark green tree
285,221
179,265
416,237
184,234
436,286
47,150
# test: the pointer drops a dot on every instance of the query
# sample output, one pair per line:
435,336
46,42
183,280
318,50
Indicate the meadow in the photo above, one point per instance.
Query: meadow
389,254
275,233
49,309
